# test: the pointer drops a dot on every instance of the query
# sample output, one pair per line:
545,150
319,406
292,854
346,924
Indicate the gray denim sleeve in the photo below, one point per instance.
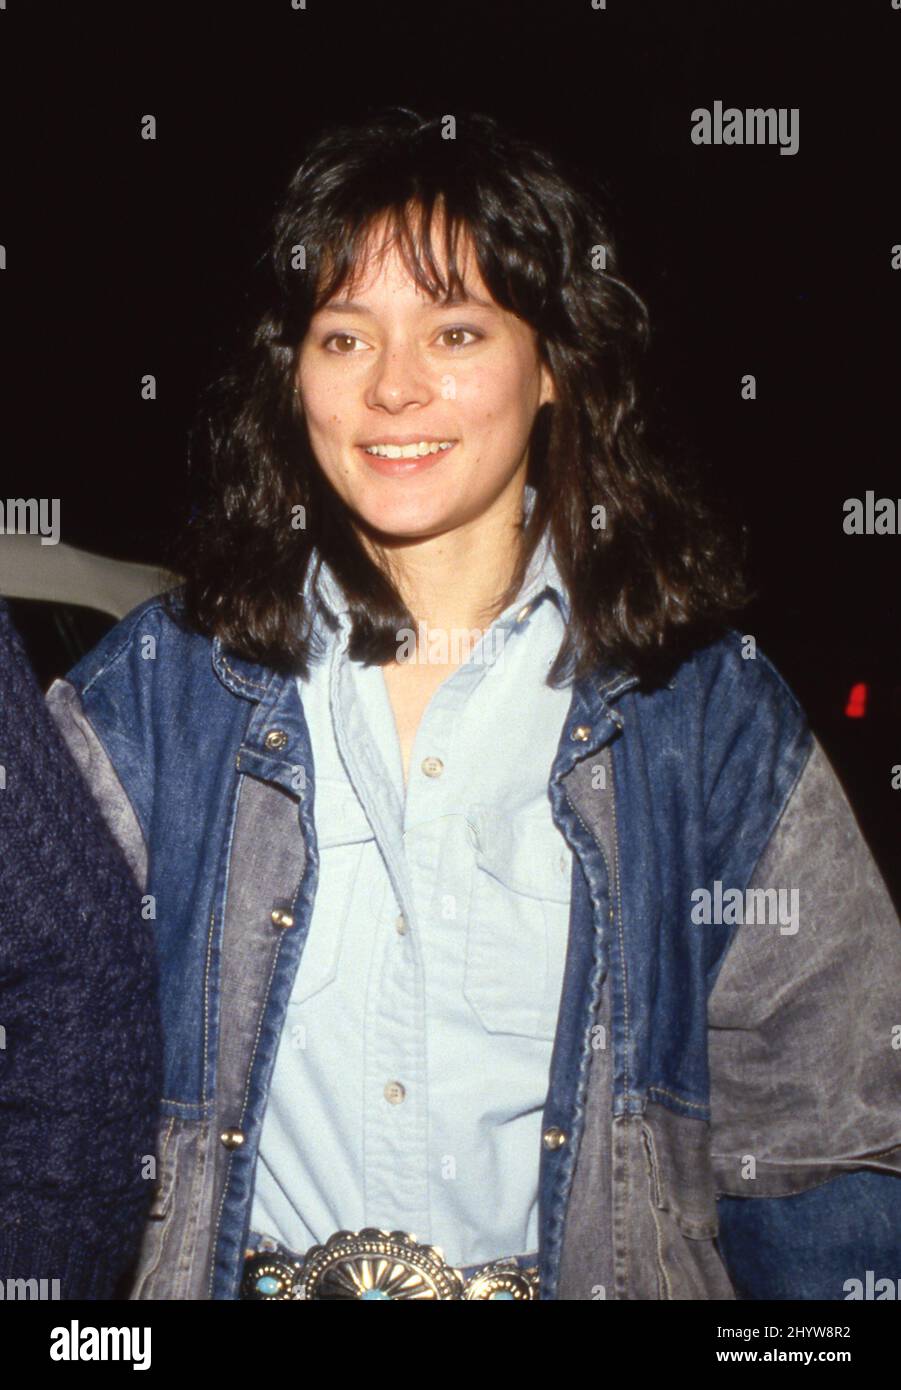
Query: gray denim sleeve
100,775
805,1017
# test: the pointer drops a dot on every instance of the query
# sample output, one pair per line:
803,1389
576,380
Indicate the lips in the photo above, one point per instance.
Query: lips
403,467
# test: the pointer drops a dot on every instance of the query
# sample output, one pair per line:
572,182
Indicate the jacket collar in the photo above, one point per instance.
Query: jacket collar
249,679
255,682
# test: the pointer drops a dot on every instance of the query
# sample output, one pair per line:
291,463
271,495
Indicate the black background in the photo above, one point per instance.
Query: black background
128,257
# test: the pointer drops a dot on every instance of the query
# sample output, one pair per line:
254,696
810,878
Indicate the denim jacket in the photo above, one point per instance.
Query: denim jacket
723,1116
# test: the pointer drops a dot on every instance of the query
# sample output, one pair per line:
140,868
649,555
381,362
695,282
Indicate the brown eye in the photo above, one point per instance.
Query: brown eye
459,333
341,338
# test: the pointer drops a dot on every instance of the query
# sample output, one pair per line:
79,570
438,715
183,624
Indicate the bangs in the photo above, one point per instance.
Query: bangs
424,237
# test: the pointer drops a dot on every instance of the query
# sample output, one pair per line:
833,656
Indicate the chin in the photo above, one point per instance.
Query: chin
409,519
414,529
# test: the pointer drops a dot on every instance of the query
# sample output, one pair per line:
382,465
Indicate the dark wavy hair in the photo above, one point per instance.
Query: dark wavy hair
661,576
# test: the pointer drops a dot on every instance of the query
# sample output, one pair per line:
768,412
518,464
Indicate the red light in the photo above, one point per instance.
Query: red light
856,707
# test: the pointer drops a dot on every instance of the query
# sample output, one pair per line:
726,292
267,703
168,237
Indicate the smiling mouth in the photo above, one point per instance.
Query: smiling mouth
417,450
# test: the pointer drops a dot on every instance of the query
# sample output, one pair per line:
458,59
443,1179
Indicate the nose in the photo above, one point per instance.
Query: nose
399,380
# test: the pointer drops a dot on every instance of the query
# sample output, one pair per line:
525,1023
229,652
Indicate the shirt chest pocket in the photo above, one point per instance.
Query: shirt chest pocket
344,838
518,924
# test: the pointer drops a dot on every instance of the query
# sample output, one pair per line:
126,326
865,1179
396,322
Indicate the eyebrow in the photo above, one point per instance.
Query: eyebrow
347,306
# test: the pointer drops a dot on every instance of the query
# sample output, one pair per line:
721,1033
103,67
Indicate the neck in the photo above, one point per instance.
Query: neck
454,580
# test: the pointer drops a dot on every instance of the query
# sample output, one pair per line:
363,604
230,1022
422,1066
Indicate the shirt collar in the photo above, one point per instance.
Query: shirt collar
542,580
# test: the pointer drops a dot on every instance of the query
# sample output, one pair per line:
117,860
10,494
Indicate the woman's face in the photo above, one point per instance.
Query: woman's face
393,368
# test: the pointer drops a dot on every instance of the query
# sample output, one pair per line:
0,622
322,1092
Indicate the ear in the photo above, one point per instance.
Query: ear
548,390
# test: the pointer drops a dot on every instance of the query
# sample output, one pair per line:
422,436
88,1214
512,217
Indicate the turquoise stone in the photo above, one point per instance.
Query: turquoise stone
267,1283
374,1293
502,1293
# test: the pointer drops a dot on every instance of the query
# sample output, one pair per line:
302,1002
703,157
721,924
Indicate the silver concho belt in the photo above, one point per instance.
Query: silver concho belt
378,1264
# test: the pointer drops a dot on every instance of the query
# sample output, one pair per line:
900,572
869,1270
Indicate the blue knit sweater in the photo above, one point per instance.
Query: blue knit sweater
80,1047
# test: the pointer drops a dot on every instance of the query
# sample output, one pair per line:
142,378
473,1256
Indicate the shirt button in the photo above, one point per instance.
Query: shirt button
432,767
232,1138
554,1138
276,738
400,926
394,1092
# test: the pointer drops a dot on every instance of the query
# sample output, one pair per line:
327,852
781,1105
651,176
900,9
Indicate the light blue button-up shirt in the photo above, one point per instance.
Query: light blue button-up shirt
413,1067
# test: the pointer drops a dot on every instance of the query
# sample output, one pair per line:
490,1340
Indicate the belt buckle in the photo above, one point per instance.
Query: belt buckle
375,1264
503,1279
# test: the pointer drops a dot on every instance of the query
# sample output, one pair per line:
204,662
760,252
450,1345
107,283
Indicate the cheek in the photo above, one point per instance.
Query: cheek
504,382
321,403
496,400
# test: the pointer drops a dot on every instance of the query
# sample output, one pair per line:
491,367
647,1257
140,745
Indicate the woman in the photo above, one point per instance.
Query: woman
430,764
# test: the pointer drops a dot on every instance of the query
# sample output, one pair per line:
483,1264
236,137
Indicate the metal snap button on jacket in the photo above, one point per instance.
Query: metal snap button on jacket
554,1138
232,1138
276,738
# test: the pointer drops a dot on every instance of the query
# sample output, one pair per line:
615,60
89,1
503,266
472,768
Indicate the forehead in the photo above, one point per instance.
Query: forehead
414,260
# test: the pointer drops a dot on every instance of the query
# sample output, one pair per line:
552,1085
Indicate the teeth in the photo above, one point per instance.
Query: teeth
408,451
